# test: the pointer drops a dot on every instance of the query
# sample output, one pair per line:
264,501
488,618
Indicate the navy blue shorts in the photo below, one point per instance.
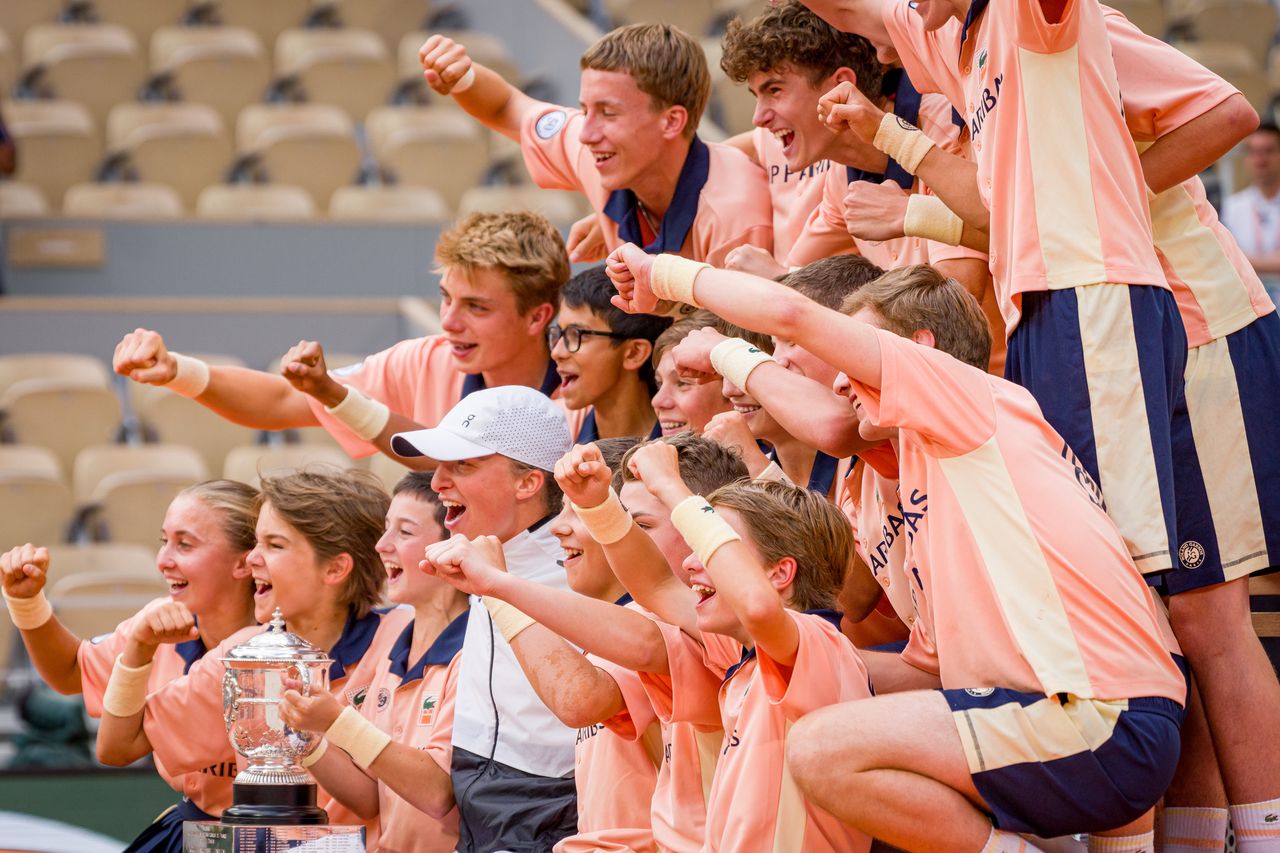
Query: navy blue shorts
1105,362
1052,767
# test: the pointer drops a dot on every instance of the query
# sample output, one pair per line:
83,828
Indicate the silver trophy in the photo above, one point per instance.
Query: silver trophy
273,788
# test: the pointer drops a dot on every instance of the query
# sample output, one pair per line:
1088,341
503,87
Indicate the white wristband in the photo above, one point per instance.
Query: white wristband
357,737
929,217
365,417
465,82
672,278
734,359
29,613
773,472
316,754
509,619
702,527
192,376
608,522
902,141
126,692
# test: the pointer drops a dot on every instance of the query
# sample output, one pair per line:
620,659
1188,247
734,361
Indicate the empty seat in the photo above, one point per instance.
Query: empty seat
30,460
1235,64
115,557
18,16
95,602
97,65
250,464
185,146
312,146
1249,23
437,147
19,200
122,201
1147,15
267,18
692,16
99,464
390,19
560,206
482,47
388,204
255,202
348,68
64,415
124,491
8,62
224,67
142,17
35,503
732,104
59,144
52,365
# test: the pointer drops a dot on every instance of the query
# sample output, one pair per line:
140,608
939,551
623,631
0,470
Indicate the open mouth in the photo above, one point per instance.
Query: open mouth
786,136
571,555
394,572
567,380
602,158
176,586
704,593
745,409
261,588
670,427
461,349
453,510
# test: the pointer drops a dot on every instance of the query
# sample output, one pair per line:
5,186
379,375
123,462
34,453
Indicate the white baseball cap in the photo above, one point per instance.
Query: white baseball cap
512,420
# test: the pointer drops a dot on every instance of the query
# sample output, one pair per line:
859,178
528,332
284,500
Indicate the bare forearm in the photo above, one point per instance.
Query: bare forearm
955,180
494,102
121,740
398,423
256,399
347,783
807,410
1187,151
54,652
1265,264
572,687
415,776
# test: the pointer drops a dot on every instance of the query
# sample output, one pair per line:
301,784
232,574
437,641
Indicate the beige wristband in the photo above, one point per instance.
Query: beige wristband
126,692
702,527
773,472
929,217
465,82
29,613
672,278
509,619
316,754
902,141
192,377
357,737
735,358
362,415
608,522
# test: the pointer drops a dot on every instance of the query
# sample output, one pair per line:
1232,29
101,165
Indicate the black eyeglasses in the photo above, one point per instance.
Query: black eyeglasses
573,336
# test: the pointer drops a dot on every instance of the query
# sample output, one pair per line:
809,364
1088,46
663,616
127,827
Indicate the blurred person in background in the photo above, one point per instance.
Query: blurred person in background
1253,214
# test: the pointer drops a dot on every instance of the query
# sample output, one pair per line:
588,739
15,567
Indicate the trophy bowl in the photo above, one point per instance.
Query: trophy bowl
273,786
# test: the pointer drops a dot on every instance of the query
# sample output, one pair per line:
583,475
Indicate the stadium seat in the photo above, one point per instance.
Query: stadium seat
312,146
123,491
255,202
95,602
348,68
122,201
388,204
59,144
96,465
482,47
224,67
1265,623
97,65
19,200
185,146
386,469
88,557
8,62
267,18
560,206
18,16
390,19
437,147
732,104
64,415
1249,23
1235,64
142,17
692,16
249,464
52,365
35,502
1147,15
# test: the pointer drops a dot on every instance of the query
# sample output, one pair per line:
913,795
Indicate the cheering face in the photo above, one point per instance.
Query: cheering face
682,404
622,127
286,572
479,317
654,519
597,365
585,565
411,527
479,496
759,421
715,616
196,558
787,107
799,360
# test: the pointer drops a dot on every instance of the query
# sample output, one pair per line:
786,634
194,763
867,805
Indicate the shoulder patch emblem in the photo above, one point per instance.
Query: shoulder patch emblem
549,124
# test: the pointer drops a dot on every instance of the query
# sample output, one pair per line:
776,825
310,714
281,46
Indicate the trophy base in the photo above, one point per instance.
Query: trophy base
274,805
214,837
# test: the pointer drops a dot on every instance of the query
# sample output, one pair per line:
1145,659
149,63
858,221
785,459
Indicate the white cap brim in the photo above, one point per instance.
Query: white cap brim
438,444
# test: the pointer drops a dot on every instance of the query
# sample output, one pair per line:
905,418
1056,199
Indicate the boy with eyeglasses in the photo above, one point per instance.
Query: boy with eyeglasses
603,358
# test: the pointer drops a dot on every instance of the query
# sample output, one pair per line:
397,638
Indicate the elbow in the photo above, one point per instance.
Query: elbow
113,756
788,312
1241,117
438,807
575,717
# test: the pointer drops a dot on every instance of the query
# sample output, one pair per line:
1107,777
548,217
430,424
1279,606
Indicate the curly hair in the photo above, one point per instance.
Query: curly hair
790,36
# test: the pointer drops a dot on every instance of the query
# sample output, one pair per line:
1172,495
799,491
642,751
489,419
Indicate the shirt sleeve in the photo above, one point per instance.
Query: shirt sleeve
947,403
183,719
827,670
96,657
920,651
691,693
550,140
637,711
440,744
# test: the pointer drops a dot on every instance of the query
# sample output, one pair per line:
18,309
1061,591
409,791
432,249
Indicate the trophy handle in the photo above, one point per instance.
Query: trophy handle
304,676
230,698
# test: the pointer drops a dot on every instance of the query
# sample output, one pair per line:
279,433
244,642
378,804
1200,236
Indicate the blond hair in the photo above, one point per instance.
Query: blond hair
337,512
236,506
919,298
677,331
524,247
667,64
788,521
705,465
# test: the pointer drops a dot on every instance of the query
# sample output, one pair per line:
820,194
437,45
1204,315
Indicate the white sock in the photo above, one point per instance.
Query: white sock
1257,826
1186,829
1000,841
1144,843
